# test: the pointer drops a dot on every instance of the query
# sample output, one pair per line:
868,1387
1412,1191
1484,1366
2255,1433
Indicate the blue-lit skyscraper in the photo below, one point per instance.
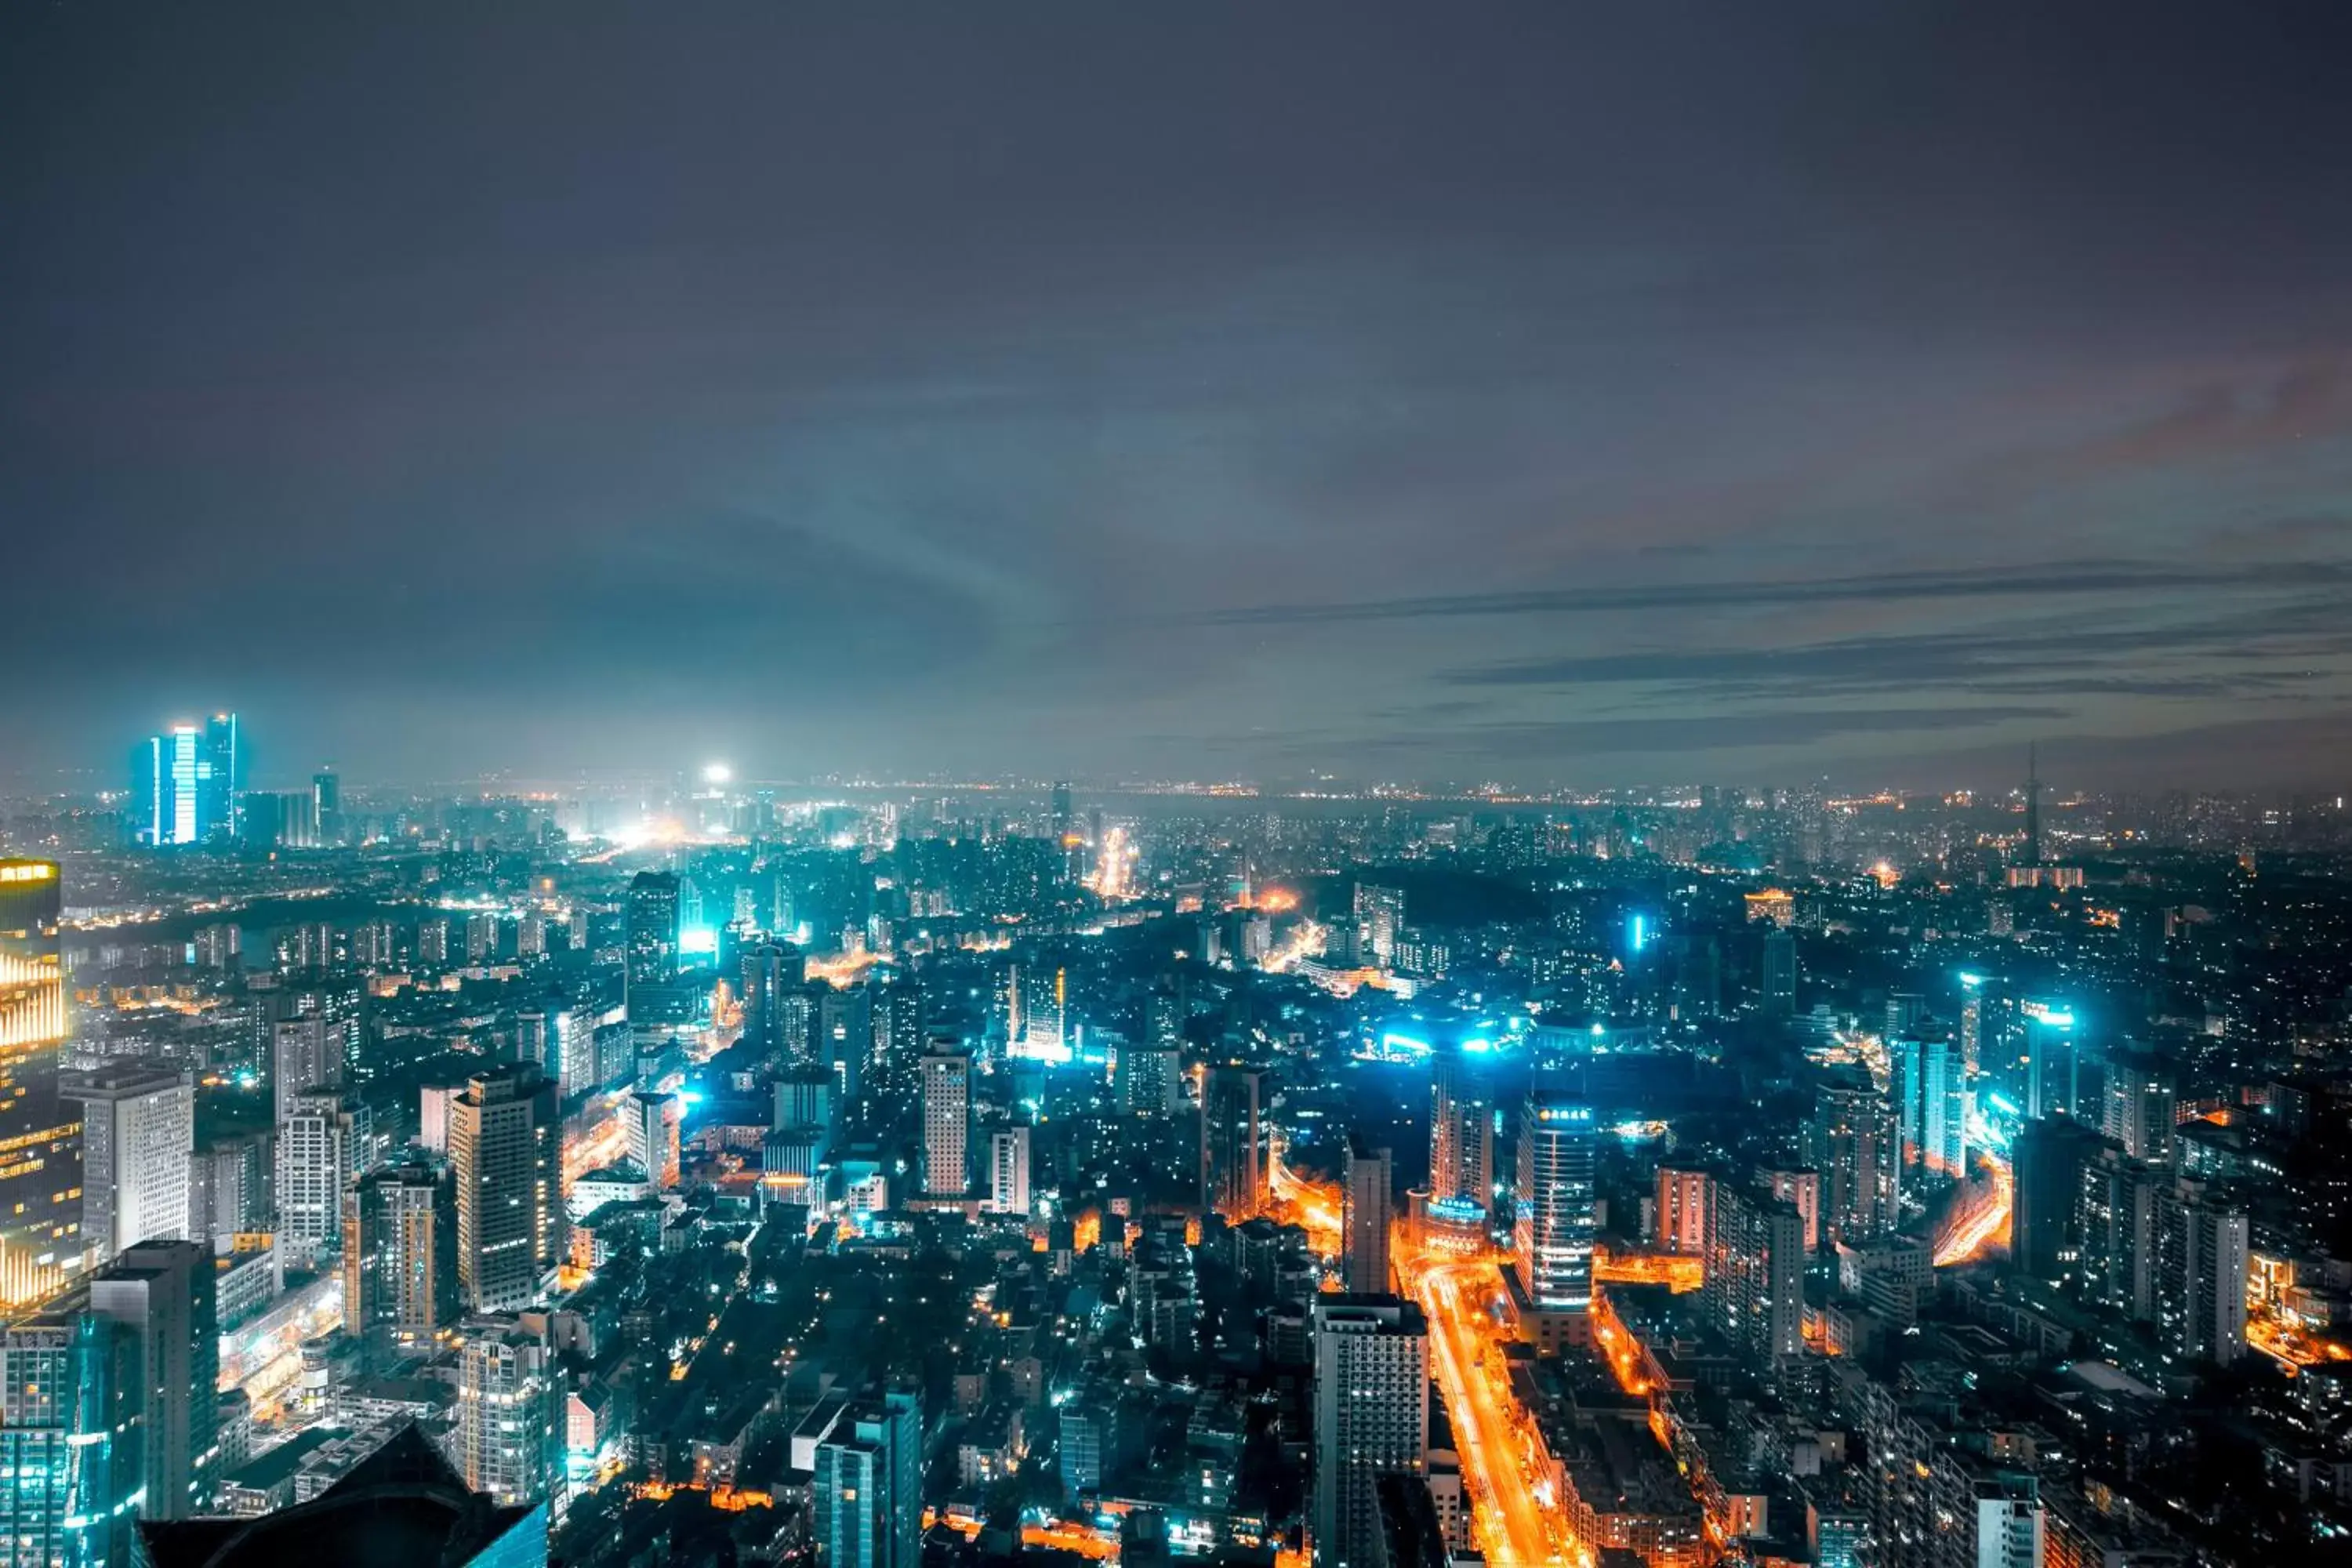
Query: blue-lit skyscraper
186,783
1556,1218
867,1491
70,1442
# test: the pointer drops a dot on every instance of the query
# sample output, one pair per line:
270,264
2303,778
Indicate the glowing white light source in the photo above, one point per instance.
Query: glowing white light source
716,774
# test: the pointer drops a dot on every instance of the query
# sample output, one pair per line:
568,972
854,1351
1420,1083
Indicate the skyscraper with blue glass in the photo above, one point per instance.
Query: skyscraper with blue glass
185,783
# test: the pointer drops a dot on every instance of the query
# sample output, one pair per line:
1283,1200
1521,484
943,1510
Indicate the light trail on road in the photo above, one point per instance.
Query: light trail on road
1516,1528
1988,1227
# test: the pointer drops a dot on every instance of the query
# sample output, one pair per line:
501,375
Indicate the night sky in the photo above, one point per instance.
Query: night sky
1596,394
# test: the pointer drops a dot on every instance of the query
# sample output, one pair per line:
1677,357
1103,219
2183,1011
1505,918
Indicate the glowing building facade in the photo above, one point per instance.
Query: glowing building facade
186,783
40,1138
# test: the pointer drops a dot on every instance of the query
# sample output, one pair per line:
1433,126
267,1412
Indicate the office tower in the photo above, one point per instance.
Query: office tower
1556,1222
1233,1140
771,970
1365,1197
139,1129
319,1147
160,1292
506,1141
651,976
281,819
1085,1441
1371,1419
509,1437
867,1490
1932,1101
2009,1526
71,1457
804,1098
2116,1219
2201,1274
2048,1160
41,1181
404,1503
327,805
897,1025
400,1253
1755,1282
652,1123
2052,1063
307,1058
1778,985
231,1187
1008,1170
1800,1186
2140,1109
1682,1210
1379,918
1461,1132
1856,1146
1044,1015
185,785
844,1042
946,1123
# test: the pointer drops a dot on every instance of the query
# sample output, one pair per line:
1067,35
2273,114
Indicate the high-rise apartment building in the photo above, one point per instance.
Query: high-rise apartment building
1460,1133
400,1253
1008,1170
319,1145
41,1181
1681,1224
506,1143
1371,1419
232,1187
2048,1157
510,1395
1857,1148
946,1123
162,1294
308,1057
1557,1220
2141,1106
139,1131
2201,1274
865,1492
1233,1140
1380,920
1755,1281
1364,1213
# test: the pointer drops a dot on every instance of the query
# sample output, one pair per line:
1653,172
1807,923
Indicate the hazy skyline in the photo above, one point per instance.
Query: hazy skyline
1538,394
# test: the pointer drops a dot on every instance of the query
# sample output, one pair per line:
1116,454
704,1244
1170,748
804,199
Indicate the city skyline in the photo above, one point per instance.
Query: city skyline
1208,394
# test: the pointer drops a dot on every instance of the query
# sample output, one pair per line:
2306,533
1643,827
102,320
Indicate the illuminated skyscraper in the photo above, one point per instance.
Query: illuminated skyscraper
1379,918
307,1057
1857,1147
654,992
72,1461
772,971
41,1180
1008,1170
865,1491
509,1413
187,782
1755,1289
1681,1209
506,1141
1371,1419
1557,1219
139,1129
160,1292
400,1253
1932,1100
327,805
946,1123
318,1150
653,1122
2052,1063
1233,1140
1460,1133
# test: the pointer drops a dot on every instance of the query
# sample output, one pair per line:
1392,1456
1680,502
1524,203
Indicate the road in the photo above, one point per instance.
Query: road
1986,1229
1515,1527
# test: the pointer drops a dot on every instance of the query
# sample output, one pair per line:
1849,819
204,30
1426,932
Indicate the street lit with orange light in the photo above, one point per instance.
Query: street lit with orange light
1680,1273
1517,1525
1983,1229
1313,1206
